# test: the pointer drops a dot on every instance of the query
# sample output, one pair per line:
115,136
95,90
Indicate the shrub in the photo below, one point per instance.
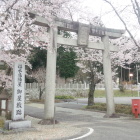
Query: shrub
121,87
125,109
97,106
64,97
119,108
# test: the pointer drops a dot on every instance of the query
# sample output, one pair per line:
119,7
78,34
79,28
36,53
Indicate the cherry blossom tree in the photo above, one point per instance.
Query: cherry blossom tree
18,31
39,75
129,15
90,61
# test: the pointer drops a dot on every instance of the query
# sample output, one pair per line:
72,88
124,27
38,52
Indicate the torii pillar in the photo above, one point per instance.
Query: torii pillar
51,76
108,77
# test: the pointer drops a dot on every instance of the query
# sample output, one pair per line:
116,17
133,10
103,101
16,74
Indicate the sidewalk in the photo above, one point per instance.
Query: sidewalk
42,132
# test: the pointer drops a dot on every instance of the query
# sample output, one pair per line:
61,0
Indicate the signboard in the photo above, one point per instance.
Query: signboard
18,91
83,35
3,105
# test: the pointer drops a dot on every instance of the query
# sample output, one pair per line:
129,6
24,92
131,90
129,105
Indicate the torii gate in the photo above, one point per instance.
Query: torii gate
83,31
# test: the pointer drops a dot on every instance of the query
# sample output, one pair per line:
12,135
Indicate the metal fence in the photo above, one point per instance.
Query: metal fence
68,86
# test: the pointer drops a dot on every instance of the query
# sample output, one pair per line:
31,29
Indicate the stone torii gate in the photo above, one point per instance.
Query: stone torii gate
83,31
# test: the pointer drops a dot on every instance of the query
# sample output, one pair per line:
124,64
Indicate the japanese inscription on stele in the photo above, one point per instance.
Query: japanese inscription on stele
83,35
18,91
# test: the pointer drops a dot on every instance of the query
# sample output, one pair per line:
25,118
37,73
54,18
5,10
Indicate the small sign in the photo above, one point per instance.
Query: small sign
83,35
18,91
3,104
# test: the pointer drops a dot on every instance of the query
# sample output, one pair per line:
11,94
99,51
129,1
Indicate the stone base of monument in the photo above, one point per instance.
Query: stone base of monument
9,124
111,116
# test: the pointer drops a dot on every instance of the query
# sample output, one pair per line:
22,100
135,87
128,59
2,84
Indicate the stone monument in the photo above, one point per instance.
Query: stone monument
18,120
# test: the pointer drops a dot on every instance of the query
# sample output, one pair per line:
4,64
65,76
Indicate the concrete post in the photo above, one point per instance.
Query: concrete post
108,77
50,76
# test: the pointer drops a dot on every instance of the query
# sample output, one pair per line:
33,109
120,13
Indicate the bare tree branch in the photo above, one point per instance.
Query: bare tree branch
7,10
136,11
70,13
121,19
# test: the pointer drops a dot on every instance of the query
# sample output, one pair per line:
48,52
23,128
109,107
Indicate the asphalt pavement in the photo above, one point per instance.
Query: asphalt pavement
123,128
117,100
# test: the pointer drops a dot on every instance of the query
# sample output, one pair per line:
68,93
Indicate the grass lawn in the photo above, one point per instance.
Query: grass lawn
117,93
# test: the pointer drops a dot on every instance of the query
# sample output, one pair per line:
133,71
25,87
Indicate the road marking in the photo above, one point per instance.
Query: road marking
89,133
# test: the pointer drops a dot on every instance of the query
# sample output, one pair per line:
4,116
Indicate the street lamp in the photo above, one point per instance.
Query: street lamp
137,69
131,75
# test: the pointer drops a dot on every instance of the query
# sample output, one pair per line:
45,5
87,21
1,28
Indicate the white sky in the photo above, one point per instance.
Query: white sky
100,7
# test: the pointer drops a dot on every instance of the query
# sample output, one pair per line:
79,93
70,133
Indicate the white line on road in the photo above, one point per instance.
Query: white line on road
89,133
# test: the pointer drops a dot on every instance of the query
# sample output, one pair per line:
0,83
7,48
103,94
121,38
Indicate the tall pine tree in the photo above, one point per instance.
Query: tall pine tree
66,63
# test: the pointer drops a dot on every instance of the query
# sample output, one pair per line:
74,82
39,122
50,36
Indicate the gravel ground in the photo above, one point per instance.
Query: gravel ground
42,132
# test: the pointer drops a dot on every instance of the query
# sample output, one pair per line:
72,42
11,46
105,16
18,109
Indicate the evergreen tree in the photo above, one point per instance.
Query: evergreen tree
38,58
66,63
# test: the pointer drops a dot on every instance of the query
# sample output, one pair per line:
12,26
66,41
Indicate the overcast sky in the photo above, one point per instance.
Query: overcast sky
100,8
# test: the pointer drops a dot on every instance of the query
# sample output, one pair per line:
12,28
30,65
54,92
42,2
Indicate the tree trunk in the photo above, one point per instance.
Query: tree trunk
41,90
40,93
91,93
65,80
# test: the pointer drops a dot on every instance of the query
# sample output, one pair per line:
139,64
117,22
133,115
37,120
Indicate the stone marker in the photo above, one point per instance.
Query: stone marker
18,98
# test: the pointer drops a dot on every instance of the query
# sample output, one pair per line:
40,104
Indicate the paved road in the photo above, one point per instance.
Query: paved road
117,100
124,128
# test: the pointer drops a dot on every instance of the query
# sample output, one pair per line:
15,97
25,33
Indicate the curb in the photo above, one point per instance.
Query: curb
83,131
